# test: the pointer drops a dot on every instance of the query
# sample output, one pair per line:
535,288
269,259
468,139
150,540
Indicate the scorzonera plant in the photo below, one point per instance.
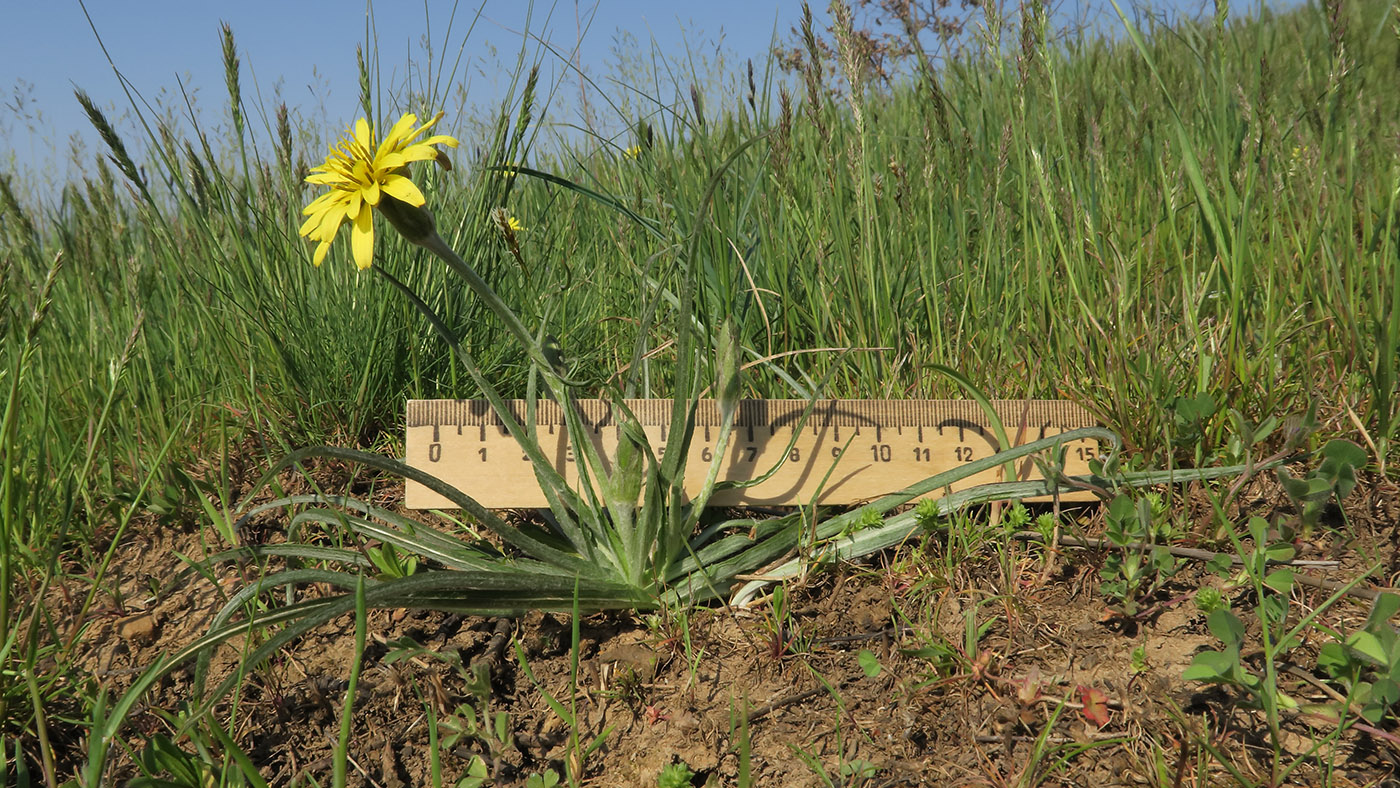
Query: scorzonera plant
627,535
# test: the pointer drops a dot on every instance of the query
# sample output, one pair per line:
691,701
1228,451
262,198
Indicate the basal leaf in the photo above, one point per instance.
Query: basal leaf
1227,627
1213,666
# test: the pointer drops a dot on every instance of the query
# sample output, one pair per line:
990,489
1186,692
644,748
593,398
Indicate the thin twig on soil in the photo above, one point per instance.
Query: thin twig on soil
788,700
1193,553
491,657
1207,555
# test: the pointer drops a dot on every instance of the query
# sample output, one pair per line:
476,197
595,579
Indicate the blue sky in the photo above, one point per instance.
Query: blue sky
304,50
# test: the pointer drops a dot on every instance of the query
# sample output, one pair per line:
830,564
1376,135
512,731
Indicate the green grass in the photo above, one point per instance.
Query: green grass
1198,210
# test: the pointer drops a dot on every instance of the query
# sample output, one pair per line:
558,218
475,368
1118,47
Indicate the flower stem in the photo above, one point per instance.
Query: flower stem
434,243
557,490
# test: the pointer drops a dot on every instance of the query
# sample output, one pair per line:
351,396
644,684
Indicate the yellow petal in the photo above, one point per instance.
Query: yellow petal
330,223
319,203
309,225
403,190
390,161
397,134
440,139
370,192
433,121
363,137
418,152
362,238
321,250
409,138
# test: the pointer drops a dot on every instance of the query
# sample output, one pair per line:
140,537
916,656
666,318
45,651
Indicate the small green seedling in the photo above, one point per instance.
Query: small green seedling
1132,573
1016,518
478,774
472,720
869,518
390,562
550,779
858,771
1223,666
1367,662
1244,437
674,775
926,514
1209,599
951,662
467,723
1191,418
1138,660
1336,475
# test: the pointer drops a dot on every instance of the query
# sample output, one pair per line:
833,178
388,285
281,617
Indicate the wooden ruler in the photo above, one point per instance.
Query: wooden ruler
845,452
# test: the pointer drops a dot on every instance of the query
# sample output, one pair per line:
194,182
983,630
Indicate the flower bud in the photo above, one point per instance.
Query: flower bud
413,222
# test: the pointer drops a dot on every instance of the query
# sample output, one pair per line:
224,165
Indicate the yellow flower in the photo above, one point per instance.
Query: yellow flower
633,152
505,223
361,172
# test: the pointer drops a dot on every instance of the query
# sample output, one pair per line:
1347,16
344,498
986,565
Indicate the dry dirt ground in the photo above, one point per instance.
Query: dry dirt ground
1048,689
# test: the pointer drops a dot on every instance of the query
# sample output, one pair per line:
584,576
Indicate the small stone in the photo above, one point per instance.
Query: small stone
140,628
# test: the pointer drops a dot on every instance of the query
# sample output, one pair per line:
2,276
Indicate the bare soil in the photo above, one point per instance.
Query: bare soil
1050,693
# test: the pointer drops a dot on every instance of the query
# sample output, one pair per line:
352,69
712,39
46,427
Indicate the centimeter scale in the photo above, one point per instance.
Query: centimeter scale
843,452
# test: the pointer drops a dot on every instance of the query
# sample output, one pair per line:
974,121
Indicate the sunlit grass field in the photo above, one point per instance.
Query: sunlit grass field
1184,229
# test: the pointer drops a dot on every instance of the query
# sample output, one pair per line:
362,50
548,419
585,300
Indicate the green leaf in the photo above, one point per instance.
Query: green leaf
1373,713
1296,488
1334,660
478,773
1259,531
1122,508
1265,428
1220,564
1275,608
934,653
1341,458
1280,580
869,663
1227,627
1368,646
1385,692
1213,666
1384,608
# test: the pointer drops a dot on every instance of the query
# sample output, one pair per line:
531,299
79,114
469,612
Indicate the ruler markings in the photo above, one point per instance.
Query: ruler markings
477,462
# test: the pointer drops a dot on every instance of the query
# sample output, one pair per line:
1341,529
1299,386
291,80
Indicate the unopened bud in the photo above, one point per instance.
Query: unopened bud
413,222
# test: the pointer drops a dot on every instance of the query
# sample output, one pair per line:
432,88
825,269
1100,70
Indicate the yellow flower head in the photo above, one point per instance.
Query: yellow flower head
361,172
633,152
515,225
